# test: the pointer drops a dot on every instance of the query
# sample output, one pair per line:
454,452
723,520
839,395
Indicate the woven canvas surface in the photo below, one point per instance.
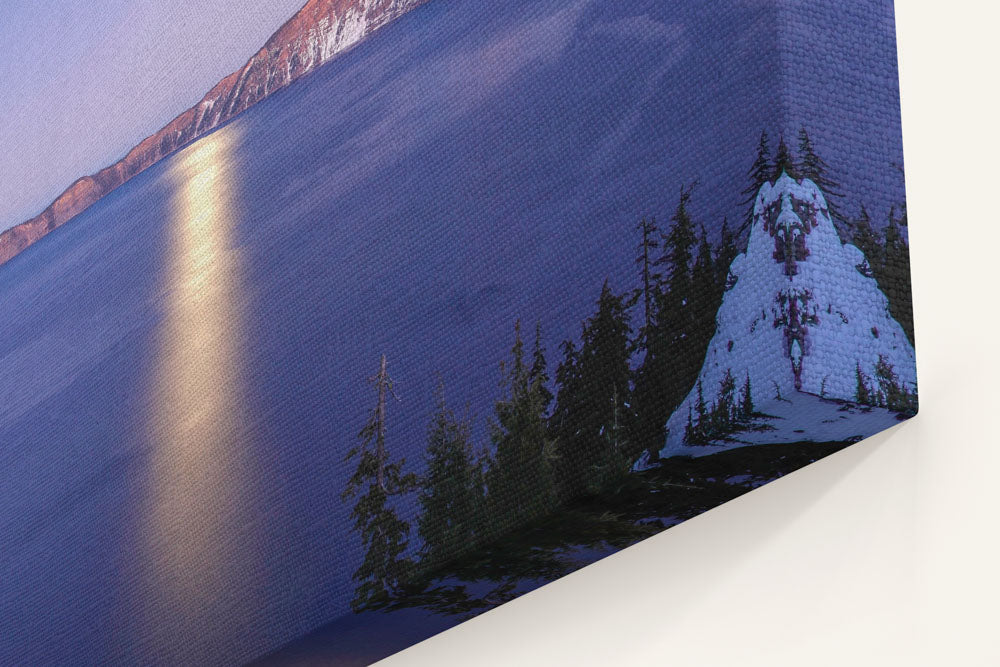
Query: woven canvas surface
432,303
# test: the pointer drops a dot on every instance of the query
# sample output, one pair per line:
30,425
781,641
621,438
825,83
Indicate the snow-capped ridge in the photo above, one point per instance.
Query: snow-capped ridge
318,32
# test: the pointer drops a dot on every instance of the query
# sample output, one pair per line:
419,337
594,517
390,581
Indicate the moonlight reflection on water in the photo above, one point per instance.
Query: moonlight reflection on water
199,470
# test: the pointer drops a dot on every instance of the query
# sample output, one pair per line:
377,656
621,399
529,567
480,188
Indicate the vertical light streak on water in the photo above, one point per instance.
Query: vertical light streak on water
199,565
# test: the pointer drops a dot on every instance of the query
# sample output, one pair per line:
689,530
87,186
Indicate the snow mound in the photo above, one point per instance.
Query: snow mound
801,313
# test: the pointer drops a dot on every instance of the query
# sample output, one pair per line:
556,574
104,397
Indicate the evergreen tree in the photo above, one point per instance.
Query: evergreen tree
383,533
892,393
677,248
719,419
725,254
592,404
702,409
888,259
894,277
867,240
539,374
760,173
812,166
452,494
519,478
862,393
649,277
746,400
723,412
706,295
669,366
783,161
699,426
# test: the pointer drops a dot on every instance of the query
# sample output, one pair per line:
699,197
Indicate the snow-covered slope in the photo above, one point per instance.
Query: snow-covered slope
801,314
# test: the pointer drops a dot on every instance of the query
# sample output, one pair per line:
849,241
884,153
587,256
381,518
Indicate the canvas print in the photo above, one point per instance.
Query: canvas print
432,302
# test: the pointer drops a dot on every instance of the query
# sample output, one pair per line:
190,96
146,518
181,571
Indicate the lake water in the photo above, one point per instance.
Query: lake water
184,366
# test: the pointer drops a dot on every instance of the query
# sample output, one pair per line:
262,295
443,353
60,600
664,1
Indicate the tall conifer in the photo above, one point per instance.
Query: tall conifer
783,161
726,253
867,240
895,274
451,493
519,478
648,276
593,406
813,167
706,296
668,360
377,479
759,174
539,374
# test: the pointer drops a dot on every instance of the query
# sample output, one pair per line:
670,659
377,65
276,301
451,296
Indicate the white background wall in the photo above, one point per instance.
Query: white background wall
887,553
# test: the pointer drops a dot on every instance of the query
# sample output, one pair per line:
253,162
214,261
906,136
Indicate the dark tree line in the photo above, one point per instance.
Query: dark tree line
683,302
707,422
888,256
556,439
885,390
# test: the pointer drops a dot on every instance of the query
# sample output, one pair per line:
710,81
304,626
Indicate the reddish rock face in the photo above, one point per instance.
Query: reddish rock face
316,34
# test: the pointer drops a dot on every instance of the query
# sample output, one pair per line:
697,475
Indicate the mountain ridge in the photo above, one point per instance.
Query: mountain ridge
314,35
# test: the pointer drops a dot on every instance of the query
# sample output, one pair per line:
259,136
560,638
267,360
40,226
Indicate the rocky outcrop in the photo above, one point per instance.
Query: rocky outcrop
317,33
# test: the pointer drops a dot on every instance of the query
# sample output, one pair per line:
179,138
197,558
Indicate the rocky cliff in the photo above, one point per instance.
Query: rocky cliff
314,35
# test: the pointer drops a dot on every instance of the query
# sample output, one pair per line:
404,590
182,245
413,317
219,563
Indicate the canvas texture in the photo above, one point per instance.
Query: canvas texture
434,302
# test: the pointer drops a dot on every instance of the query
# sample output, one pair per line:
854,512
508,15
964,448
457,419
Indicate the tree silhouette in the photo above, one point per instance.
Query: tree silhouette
894,277
519,479
668,364
451,494
593,407
759,174
783,161
725,254
812,166
648,276
383,534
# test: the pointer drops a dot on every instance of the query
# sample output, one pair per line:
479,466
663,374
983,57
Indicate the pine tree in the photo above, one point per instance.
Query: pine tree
592,404
677,248
783,161
706,296
669,366
888,259
725,405
894,395
383,534
866,239
746,400
539,374
894,277
813,167
701,408
725,254
649,277
862,393
452,494
519,478
759,174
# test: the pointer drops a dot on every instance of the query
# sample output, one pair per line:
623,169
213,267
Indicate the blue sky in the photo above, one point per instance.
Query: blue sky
82,82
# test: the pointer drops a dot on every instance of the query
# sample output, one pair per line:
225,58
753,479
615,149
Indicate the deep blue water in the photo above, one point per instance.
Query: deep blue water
183,367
